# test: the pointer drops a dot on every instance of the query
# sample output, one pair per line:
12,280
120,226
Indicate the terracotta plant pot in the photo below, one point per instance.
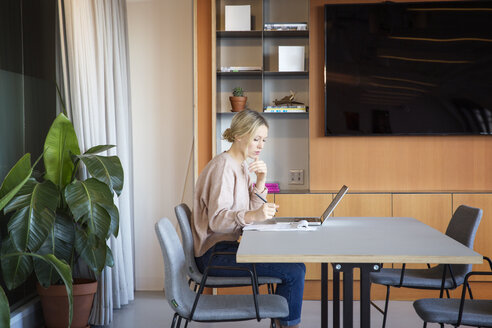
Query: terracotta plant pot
54,302
238,103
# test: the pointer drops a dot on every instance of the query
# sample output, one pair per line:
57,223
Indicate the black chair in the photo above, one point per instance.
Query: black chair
457,312
192,306
183,214
462,227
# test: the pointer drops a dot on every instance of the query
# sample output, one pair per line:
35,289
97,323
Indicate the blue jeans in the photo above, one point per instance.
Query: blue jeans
291,274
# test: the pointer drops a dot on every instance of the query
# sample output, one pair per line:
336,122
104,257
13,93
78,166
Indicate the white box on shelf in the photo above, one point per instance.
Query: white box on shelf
238,18
290,58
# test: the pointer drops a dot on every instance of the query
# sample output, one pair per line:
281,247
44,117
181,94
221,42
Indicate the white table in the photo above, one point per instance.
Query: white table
355,242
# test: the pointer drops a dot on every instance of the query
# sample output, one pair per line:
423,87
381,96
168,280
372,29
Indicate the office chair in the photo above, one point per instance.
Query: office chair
192,306
462,227
183,214
454,311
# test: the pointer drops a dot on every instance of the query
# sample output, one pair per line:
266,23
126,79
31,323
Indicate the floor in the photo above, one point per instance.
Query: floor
150,309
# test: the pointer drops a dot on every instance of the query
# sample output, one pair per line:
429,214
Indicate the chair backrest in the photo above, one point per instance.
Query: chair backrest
183,214
463,227
464,224
178,293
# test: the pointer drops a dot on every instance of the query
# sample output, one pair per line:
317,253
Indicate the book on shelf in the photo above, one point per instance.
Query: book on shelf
286,109
285,27
240,68
272,187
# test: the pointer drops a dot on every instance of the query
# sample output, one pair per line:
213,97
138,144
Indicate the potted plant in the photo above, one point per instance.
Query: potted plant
58,218
238,100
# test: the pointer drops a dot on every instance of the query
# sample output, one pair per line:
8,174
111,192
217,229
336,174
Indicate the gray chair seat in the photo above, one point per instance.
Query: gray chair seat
417,278
239,307
237,281
475,313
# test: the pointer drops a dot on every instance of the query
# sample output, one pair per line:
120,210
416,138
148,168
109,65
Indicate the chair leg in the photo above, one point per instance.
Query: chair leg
186,323
447,293
469,290
442,325
425,324
385,314
174,320
178,324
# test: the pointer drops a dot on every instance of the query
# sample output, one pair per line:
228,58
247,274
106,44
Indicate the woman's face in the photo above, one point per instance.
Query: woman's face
257,143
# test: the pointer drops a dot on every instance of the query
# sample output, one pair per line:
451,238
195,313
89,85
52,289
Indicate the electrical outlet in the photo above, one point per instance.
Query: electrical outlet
296,177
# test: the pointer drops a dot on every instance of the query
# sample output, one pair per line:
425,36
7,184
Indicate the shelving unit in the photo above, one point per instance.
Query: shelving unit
289,132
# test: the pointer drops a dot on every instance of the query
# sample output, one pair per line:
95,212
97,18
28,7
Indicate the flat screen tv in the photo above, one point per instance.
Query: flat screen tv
421,68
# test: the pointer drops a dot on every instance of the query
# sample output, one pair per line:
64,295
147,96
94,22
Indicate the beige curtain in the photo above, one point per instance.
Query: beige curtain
98,83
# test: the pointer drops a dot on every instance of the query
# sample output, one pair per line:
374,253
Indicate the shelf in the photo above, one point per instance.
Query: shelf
239,34
241,73
268,114
267,34
274,73
286,34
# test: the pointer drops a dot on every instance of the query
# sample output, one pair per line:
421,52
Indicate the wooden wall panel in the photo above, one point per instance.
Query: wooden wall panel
302,204
437,163
364,205
483,240
434,210
203,36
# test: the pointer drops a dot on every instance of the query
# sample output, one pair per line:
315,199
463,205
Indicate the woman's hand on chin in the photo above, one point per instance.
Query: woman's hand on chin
260,169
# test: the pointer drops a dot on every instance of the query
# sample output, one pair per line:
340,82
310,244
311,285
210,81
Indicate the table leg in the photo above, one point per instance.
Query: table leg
336,299
365,293
324,295
348,297
365,296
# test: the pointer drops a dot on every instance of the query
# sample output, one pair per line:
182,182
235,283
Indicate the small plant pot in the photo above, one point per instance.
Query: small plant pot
54,302
238,103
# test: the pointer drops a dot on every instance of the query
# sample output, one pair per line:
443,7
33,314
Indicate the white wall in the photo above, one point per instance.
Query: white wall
161,67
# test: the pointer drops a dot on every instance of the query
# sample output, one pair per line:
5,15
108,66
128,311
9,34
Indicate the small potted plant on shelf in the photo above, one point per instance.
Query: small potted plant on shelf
57,219
238,100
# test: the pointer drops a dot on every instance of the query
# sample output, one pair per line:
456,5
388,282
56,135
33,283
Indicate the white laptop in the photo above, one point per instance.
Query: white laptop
317,220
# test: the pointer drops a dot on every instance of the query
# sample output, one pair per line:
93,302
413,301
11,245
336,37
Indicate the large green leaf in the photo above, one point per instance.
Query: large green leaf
105,169
60,143
4,309
109,257
115,219
87,201
93,252
15,179
98,149
60,242
35,205
16,267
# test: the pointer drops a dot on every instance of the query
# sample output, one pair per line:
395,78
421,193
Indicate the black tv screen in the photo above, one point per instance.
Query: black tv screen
408,68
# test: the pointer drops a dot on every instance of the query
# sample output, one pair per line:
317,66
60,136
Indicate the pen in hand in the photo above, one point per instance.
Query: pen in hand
263,199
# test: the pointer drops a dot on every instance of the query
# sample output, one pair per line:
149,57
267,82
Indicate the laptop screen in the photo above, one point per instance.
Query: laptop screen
334,203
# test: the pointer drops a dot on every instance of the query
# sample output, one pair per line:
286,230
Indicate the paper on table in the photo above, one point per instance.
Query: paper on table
277,227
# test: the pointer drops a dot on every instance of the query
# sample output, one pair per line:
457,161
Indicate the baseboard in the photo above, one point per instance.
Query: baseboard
29,315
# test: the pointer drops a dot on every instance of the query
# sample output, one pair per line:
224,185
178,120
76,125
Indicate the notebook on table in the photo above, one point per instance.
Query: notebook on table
313,221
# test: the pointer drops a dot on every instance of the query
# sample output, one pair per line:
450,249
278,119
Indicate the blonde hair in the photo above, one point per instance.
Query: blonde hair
244,124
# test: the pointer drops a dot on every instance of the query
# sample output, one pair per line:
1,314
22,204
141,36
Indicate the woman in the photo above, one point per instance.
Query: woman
225,201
